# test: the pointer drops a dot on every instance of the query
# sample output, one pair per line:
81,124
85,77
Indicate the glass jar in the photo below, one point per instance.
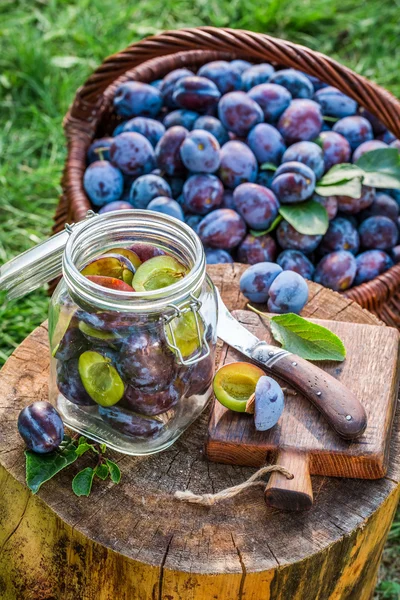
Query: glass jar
131,369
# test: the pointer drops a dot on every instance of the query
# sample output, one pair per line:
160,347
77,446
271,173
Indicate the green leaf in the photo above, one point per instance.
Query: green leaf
102,471
273,226
383,160
381,180
306,339
309,218
84,447
103,448
319,141
42,467
267,166
381,167
330,119
115,473
82,482
339,174
351,188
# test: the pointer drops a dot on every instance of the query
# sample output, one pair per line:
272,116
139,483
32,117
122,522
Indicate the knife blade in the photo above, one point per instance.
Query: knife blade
338,404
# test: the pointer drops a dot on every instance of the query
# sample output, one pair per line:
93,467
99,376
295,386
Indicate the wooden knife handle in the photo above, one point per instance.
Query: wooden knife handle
290,494
338,404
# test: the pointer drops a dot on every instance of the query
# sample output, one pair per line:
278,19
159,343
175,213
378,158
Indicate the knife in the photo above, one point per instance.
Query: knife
337,403
339,406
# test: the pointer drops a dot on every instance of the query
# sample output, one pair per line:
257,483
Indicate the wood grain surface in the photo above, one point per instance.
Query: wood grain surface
370,371
134,541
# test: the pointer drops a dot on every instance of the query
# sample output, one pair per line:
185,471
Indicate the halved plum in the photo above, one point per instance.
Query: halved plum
269,402
185,332
146,251
97,336
110,282
129,423
107,321
111,265
128,253
100,378
158,272
235,383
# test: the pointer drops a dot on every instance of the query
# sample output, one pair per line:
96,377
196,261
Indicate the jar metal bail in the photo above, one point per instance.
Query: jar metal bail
192,305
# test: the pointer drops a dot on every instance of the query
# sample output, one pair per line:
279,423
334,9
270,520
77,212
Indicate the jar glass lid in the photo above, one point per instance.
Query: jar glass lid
38,265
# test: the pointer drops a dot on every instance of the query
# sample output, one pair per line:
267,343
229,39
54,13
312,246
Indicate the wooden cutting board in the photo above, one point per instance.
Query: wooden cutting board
302,440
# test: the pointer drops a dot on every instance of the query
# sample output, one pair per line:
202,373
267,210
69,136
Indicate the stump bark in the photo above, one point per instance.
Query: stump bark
134,541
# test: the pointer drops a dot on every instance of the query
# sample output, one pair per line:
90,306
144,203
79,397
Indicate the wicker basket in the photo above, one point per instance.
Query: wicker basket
91,113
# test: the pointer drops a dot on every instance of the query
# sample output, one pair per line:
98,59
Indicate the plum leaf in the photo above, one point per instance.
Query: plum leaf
84,447
351,188
42,467
378,168
115,473
82,482
339,174
306,339
300,336
268,166
102,471
382,160
308,218
273,226
381,167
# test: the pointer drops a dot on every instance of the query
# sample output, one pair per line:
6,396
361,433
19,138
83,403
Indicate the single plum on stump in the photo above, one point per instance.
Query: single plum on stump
41,427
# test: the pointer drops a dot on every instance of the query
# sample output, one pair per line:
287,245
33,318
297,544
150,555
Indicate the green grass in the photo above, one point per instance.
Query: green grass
37,86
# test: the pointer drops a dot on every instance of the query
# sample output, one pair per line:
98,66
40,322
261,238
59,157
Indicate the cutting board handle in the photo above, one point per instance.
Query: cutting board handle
290,494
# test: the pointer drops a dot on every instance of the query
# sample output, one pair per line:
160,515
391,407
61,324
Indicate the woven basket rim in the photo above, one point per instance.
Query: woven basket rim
194,46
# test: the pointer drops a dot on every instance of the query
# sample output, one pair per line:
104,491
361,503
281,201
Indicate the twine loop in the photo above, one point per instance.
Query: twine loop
253,481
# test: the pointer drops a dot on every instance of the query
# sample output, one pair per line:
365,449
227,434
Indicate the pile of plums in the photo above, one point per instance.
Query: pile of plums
123,365
284,291
222,149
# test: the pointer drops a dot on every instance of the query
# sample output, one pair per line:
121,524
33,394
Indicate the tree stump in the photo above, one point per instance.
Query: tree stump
135,541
